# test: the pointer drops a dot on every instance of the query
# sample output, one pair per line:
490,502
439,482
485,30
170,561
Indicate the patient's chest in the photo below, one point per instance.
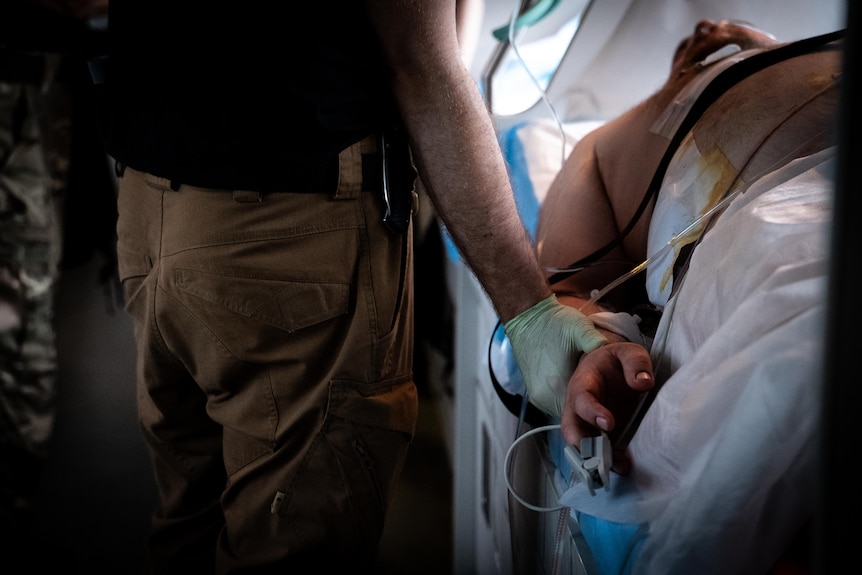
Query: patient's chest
757,126
782,111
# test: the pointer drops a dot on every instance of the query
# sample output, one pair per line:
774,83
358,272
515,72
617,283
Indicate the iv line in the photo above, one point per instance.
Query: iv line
597,295
664,249
543,94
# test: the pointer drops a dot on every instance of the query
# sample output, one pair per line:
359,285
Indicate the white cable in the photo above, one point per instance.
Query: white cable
543,94
509,452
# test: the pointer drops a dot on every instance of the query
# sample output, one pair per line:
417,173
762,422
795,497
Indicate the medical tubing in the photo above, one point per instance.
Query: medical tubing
563,518
646,399
507,461
543,94
595,297
571,271
511,37
711,92
584,262
562,523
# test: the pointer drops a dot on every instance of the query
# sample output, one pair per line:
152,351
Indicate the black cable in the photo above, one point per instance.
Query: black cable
514,402
710,94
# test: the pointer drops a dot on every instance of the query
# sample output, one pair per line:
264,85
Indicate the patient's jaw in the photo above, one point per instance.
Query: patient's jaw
710,37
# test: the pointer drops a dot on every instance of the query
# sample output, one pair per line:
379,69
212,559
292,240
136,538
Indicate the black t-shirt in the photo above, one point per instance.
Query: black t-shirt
28,27
237,97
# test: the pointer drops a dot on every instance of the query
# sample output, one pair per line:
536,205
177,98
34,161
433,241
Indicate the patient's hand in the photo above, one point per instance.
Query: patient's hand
603,393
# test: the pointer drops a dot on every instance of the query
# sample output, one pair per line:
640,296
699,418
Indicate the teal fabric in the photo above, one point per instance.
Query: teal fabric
528,18
614,546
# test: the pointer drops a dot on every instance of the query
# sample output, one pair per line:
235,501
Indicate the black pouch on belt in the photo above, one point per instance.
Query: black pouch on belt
399,179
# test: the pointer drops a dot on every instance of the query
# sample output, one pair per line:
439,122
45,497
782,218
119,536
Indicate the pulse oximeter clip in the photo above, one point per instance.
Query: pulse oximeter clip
592,463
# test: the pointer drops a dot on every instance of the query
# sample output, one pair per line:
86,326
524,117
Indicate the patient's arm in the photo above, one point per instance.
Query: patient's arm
604,392
577,217
593,199
587,205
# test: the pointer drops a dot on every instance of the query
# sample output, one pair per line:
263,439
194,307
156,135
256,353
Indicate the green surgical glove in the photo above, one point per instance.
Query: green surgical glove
547,341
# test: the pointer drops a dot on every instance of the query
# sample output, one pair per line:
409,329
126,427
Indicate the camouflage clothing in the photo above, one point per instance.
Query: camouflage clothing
33,167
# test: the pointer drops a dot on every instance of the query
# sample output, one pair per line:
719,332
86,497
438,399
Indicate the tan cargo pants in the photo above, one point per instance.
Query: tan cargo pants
275,337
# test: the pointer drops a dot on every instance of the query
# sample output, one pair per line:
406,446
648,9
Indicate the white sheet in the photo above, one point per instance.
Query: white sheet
726,457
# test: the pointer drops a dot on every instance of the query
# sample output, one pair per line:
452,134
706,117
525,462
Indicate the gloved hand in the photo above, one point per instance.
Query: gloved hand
547,341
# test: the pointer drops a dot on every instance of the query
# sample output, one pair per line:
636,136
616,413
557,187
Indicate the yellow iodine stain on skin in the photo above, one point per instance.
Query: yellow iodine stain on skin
822,78
715,177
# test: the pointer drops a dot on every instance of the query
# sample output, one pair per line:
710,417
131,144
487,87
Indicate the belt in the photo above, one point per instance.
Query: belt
320,178
34,68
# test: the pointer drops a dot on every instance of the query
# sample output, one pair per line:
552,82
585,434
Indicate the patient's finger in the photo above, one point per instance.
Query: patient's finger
634,359
605,387
583,413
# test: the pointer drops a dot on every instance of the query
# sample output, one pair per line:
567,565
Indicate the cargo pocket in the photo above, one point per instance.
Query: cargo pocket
370,427
356,460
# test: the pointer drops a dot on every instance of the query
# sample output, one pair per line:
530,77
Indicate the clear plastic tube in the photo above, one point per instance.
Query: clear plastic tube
671,244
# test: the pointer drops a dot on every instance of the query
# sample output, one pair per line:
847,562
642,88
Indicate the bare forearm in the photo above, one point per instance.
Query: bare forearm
464,173
456,149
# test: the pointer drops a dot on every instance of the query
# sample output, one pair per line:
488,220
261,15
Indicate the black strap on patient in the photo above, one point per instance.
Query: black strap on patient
515,403
710,94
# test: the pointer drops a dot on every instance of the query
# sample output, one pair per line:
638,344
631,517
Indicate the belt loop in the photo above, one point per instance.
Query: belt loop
350,168
247,196
49,76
